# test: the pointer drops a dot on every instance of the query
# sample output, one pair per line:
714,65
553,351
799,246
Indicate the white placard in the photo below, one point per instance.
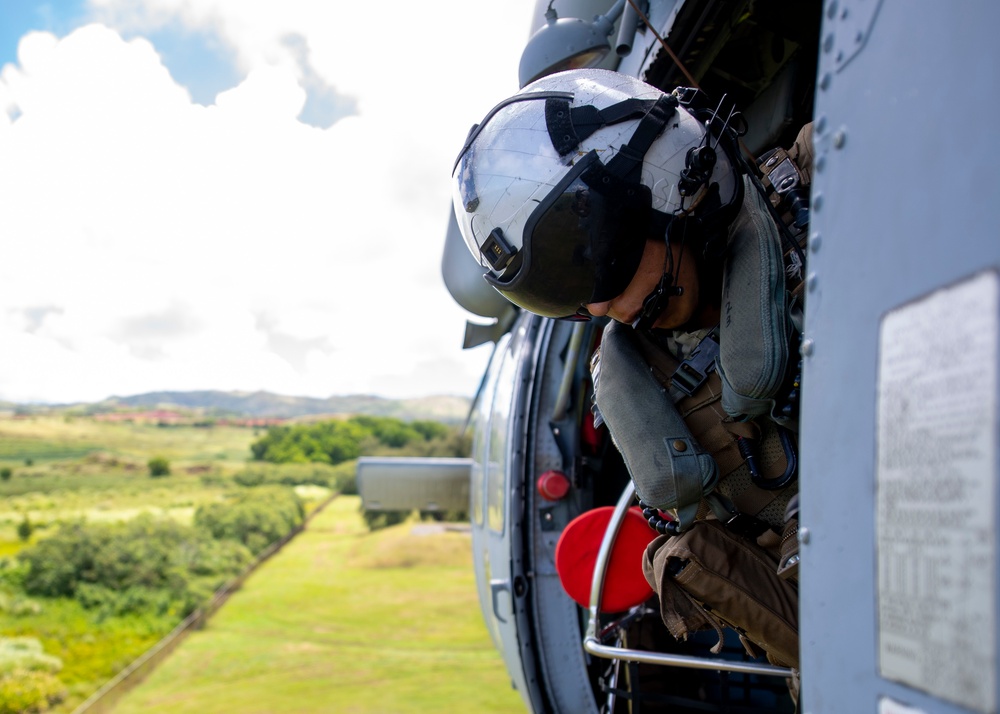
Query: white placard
936,473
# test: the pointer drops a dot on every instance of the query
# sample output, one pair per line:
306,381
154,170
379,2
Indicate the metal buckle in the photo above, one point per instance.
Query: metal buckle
693,371
746,525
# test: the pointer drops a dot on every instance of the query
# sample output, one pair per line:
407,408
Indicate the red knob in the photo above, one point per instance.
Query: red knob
553,485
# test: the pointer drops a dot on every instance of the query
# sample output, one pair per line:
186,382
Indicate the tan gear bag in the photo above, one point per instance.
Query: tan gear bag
707,578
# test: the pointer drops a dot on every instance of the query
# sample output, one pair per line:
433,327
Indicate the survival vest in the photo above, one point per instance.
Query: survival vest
715,433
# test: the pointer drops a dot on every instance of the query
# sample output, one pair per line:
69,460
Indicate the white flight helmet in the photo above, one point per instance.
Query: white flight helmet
560,186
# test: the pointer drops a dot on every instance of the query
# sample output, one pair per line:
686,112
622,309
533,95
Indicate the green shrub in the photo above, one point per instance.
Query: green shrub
376,520
445,516
18,605
25,653
128,567
249,478
25,529
132,601
6,473
344,478
255,517
158,466
290,474
217,557
27,676
12,572
26,691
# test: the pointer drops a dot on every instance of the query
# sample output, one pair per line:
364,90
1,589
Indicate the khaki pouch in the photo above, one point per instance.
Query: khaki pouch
707,578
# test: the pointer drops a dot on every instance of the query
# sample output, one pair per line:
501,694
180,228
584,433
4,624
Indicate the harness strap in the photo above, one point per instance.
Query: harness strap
718,434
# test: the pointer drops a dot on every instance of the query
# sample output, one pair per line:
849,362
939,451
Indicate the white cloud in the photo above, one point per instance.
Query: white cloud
150,243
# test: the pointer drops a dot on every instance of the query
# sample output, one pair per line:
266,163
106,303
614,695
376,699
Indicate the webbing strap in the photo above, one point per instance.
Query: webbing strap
568,126
717,434
627,163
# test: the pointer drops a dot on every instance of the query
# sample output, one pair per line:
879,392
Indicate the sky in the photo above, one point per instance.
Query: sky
238,194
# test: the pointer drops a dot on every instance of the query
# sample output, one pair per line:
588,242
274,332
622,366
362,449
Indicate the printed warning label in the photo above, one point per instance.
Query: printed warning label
936,474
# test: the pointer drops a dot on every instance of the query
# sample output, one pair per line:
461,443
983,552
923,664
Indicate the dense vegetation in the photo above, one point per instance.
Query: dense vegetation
110,533
145,564
254,518
28,679
335,442
103,551
148,568
339,478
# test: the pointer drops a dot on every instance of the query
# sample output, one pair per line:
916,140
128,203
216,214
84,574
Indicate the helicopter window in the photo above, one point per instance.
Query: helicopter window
480,444
499,433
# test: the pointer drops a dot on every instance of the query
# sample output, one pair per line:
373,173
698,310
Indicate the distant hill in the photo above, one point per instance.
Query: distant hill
449,409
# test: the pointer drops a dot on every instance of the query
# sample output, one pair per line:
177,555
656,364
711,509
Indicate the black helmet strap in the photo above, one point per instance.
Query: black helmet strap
568,126
622,175
627,163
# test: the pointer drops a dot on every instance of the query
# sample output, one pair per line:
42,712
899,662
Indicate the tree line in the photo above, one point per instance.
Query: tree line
342,441
337,441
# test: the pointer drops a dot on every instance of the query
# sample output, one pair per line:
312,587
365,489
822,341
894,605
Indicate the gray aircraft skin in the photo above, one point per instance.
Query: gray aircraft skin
899,428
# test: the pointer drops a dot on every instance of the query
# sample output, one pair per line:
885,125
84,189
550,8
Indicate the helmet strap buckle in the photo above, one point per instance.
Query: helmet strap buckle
656,302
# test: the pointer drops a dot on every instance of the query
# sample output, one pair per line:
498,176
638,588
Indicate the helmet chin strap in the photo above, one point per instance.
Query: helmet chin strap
656,302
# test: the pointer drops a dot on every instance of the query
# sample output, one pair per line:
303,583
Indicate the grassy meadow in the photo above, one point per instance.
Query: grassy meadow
342,620
66,467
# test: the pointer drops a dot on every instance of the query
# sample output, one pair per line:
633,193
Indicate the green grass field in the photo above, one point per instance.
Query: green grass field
43,439
342,620
65,468
68,468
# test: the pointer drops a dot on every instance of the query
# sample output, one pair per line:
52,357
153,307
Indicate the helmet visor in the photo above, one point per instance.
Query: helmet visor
582,243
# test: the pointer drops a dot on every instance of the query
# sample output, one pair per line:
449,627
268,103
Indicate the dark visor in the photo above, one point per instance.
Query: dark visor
582,243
